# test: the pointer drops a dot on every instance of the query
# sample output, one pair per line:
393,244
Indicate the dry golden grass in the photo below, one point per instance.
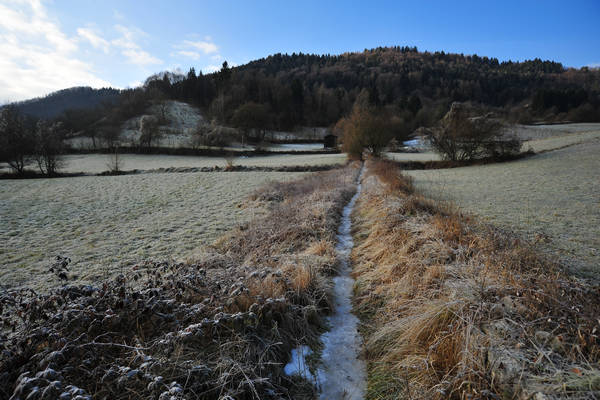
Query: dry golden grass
549,198
456,309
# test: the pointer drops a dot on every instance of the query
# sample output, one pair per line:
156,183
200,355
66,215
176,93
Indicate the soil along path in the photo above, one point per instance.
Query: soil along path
342,374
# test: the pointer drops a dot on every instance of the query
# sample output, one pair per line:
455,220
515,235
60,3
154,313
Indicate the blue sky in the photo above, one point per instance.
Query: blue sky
46,45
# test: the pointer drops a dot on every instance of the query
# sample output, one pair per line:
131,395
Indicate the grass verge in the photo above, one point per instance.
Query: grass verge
452,308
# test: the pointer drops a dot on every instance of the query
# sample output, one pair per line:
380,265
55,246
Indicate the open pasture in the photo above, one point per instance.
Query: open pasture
551,198
97,163
103,223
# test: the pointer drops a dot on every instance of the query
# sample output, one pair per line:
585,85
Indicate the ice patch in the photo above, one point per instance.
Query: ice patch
298,366
343,374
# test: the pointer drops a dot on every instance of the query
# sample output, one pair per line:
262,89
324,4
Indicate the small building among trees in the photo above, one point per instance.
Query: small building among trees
330,141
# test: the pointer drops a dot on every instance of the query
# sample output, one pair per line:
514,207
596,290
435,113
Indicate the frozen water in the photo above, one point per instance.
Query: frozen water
342,374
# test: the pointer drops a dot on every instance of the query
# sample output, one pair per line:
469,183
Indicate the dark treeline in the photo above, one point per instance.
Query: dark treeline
318,90
401,88
54,104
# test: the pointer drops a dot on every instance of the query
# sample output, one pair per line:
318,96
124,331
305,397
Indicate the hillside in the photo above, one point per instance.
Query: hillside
317,90
54,104
283,92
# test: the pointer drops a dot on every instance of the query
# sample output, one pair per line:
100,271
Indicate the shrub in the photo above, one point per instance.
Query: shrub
49,147
462,137
213,135
366,128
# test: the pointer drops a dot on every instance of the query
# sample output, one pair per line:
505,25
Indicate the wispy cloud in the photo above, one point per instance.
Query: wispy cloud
594,65
205,47
95,39
198,49
37,56
127,42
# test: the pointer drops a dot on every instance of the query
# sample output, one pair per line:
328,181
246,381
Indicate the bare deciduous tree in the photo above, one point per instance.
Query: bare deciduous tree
49,147
461,137
17,142
115,161
149,131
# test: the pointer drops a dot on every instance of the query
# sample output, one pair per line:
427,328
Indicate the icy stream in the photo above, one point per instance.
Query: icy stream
342,375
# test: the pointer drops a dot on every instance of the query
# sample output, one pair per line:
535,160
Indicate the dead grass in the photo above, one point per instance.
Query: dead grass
550,199
456,309
218,326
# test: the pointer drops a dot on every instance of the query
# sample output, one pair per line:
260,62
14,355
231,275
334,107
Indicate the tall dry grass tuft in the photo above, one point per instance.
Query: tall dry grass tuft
456,309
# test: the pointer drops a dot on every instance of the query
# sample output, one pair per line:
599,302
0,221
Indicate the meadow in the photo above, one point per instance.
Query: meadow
107,223
97,163
550,198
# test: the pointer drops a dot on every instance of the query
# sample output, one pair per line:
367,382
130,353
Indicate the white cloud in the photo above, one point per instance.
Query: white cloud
594,65
130,49
135,84
37,57
140,57
198,49
95,39
206,47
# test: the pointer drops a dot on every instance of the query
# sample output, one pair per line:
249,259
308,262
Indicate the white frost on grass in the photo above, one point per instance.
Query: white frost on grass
96,163
550,198
106,223
535,132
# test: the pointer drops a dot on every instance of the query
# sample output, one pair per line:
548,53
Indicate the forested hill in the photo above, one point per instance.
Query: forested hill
283,91
74,98
302,89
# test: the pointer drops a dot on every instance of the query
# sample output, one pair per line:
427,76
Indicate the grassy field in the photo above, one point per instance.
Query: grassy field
556,142
96,163
102,223
219,326
551,198
538,138
533,132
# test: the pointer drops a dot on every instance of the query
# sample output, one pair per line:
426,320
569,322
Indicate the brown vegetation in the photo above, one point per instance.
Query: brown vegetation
219,326
367,128
462,137
455,309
